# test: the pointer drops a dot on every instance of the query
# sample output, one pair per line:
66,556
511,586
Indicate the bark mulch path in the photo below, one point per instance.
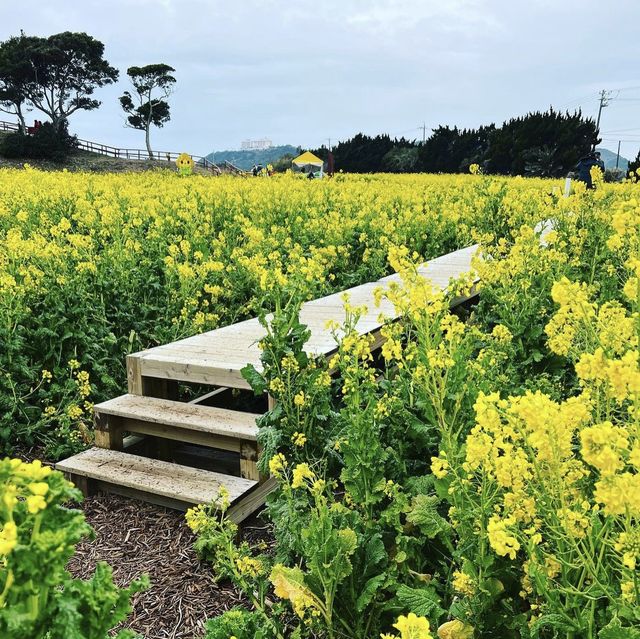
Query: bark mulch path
137,538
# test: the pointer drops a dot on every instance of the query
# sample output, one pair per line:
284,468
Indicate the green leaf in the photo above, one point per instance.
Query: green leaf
424,514
369,590
256,381
493,586
424,602
614,630
555,621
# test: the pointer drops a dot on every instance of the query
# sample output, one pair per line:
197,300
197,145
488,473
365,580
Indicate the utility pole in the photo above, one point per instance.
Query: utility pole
424,132
329,141
618,156
605,96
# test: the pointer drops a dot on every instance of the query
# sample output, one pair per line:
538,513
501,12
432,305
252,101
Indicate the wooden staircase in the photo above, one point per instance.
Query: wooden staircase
153,447
137,438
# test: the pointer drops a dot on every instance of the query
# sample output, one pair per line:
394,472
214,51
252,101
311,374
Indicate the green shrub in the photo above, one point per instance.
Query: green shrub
47,143
39,599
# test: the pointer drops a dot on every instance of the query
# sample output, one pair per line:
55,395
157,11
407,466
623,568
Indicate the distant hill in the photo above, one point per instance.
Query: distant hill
609,159
246,159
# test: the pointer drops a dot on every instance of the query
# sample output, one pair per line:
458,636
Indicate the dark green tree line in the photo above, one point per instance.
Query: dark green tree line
545,144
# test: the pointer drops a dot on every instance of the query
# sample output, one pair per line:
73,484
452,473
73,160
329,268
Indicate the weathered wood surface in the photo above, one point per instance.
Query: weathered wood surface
252,501
181,415
216,357
163,479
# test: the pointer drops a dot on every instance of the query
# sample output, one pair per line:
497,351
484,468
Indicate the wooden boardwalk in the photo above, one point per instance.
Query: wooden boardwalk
151,446
217,357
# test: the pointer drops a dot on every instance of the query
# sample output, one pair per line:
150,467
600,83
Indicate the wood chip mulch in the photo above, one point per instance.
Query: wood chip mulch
137,538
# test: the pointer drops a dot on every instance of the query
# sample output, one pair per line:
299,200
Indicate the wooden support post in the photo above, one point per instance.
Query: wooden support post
163,449
250,454
85,485
249,461
134,377
160,388
108,431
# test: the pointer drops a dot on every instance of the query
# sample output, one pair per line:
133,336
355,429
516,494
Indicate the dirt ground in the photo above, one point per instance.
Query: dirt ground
137,538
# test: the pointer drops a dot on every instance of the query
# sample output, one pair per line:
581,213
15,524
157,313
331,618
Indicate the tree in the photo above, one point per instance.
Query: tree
64,71
366,154
401,159
541,161
148,110
546,143
15,71
454,150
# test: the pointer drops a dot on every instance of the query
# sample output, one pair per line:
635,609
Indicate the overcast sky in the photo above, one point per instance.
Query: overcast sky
303,71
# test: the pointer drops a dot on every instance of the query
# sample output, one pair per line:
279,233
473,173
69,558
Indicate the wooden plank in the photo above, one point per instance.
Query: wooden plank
201,373
237,513
166,480
227,356
249,461
166,431
251,501
140,495
182,415
108,431
134,376
223,348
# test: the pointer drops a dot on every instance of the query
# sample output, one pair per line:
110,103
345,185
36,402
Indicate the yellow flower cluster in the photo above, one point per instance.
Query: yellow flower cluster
299,439
300,473
410,626
277,464
464,583
500,537
249,566
25,484
575,307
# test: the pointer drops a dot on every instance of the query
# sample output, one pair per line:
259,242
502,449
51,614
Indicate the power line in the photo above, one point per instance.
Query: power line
620,130
628,89
585,97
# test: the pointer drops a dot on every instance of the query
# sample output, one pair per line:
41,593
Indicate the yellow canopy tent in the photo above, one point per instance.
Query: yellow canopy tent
308,162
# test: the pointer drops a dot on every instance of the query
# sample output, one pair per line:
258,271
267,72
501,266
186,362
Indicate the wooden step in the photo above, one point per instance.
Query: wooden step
209,426
159,482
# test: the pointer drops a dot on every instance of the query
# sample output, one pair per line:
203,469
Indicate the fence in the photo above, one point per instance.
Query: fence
129,154
9,126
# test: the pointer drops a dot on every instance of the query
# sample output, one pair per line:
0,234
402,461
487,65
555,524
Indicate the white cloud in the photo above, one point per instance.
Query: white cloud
301,72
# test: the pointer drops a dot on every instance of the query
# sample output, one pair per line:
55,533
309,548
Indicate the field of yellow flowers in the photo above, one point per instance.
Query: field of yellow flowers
480,478
485,480
95,266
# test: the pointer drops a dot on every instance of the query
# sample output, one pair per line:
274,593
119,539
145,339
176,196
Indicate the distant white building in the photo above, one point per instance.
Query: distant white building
250,145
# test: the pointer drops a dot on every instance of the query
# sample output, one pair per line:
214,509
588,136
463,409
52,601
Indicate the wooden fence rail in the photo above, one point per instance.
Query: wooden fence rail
128,154
9,126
